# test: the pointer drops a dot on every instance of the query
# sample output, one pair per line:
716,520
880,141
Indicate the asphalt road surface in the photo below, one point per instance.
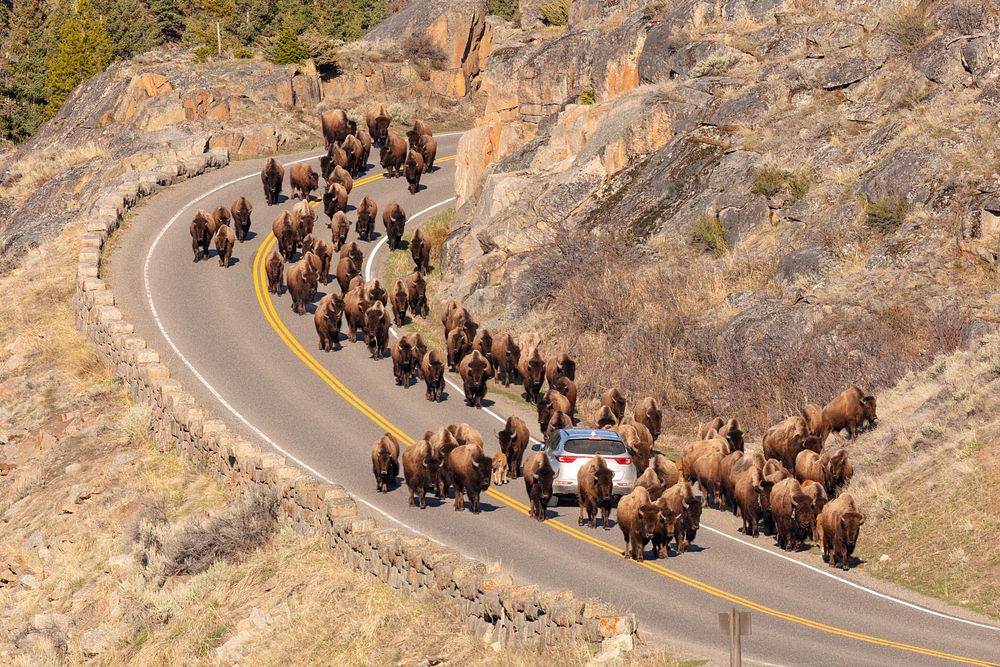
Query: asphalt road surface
251,360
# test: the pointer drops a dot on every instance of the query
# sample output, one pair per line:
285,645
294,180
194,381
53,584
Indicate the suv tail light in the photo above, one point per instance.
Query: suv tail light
622,460
566,459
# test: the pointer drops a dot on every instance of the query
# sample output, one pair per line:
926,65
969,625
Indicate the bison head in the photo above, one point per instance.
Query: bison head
603,481
692,520
850,524
868,410
648,518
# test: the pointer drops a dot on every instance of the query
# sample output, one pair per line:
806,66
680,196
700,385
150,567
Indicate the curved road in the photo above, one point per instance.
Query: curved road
246,356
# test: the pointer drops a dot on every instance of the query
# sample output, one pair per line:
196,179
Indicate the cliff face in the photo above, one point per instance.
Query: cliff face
821,178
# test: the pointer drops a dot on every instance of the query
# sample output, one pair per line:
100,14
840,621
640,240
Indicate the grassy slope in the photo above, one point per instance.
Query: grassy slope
83,493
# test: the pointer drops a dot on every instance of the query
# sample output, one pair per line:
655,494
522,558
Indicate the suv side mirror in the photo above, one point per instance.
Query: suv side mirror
537,447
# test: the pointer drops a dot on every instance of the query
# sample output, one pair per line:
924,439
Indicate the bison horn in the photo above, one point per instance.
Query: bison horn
475,464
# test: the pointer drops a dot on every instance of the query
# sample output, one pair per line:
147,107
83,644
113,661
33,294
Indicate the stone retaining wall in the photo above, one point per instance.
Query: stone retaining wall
495,607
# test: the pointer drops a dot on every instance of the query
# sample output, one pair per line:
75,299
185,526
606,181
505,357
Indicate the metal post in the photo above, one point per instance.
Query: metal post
735,655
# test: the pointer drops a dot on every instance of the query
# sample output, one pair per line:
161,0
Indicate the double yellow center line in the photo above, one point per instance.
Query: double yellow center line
272,317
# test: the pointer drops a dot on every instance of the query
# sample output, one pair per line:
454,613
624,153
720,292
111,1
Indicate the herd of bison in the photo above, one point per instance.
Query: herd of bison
791,486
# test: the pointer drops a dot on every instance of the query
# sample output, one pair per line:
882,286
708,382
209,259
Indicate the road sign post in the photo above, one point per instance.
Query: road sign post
735,624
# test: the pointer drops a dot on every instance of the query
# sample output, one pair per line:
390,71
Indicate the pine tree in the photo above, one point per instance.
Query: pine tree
251,19
130,27
168,20
84,49
23,67
288,49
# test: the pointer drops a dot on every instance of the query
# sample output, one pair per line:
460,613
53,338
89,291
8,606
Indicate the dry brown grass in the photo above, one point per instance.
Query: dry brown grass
37,168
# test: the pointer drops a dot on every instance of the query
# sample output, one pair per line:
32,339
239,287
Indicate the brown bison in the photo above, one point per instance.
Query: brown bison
465,434
558,420
819,498
413,169
355,310
339,228
455,316
221,216
378,126
594,486
532,371
792,513
304,219
385,462
416,294
752,492
301,280
852,409
225,240
787,438
420,469
304,180
673,504
420,251
475,370
639,441
283,229
638,517
812,466
614,401
324,251
377,330
241,210
392,155
469,469
838,526
353,250
272,176
422,129
458,346
354,152
334,200
375,292
506,356
500,474
400,302
275,269
335,126
432,370
552,402
404,359
366,148
686,526
201,230
328,317
727,479
346,271
538,479
513,441
567,388
365,225
730,430
605,418
557,367
394,219
335,157
707,472
665,470
483,341
647,413
340,175
428,151
841,471
692,451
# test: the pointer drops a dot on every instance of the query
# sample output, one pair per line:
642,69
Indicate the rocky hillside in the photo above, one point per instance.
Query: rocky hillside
117,128
741,205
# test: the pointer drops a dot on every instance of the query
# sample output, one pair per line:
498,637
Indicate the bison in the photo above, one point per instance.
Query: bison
432,370
413,169
347,270
458,346
404,359
303,179
730,430
552,402
275,269
272,176
416,294
532,371
506,355
752,492
614,401
334,200
335,126
378,126
475,370
707,471
812,466
558,420
420,251
394,219
225,239
385,462
375,292
303,219
727,480
301,280
400,302
339,228
354,152
594,486
638,517
841,471
852,409
605,418
500,475
513,441
647,413
674,503
787,438
340,175
819,498
538,479
283,229
366,148
377,330
392,155
241,210
365,225
327,318
567,388
420,469
838,526
792,513
324,251
355,311
469,469
557,367
201,230
428,151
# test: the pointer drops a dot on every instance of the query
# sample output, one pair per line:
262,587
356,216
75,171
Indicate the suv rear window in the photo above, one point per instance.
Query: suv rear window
591,447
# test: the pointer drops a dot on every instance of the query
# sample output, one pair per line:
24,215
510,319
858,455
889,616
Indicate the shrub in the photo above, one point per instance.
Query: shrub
768,181
587,95
288,49
203,53
243,53
885,215
706,232
798,186
421,49
715,64
506,9
555,12
908,28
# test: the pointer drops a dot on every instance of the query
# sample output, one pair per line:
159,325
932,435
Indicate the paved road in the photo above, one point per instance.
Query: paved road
249,358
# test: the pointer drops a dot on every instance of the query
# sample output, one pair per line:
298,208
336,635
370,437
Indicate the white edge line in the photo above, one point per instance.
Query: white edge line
216,394
884,596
